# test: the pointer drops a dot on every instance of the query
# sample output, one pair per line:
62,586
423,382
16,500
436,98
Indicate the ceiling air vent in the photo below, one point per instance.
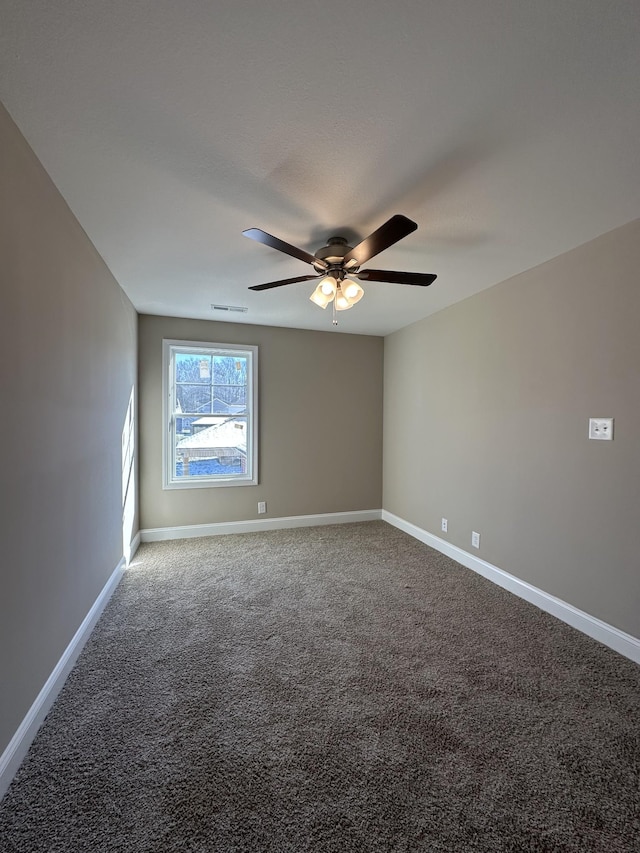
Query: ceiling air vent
238,308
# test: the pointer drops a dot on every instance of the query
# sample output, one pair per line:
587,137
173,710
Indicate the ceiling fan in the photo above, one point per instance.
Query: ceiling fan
337,264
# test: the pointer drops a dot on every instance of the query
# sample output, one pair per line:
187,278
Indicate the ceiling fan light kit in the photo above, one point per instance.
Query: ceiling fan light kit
343,291
337,264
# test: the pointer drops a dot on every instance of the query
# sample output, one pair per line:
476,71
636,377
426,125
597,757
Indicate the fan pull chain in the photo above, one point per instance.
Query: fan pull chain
335,314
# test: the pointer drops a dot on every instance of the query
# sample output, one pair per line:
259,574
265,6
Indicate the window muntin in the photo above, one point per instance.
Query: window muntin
210,413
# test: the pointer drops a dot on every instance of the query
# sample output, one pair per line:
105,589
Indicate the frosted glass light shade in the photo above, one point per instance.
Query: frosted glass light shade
320,298
328,285
352,290
342,302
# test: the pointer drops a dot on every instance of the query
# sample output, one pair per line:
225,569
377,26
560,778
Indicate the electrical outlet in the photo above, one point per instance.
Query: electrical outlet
445,525
262,507
475,539
601,429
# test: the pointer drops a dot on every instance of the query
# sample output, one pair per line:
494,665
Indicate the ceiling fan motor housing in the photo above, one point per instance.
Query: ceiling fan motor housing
333,253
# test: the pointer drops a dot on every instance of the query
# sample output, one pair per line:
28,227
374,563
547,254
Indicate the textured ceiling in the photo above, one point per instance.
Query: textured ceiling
508,129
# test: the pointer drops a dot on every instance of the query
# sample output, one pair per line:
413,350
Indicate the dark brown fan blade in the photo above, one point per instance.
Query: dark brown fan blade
271,284
422,279
393,230
262,237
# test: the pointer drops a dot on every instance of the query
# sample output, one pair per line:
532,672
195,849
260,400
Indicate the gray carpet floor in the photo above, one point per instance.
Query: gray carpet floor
330,689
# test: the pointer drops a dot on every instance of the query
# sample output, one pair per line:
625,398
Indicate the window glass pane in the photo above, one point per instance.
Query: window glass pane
229,370
217,446
193,398
229,399
193,367
230,384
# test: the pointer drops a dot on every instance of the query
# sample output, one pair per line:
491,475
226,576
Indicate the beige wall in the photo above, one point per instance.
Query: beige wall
485,423
68,368
320,436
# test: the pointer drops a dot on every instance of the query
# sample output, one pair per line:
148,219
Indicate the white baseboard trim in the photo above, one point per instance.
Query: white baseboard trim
135,544
19,744
616,639
190,531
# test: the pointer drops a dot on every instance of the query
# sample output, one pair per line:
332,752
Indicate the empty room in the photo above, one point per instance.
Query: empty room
321,394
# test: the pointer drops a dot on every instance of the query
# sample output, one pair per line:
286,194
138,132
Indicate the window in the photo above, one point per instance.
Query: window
210,414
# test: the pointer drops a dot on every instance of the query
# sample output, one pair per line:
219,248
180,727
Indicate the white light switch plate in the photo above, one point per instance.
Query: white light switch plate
601,429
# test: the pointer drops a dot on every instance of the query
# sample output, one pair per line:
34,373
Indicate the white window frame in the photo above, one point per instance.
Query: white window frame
169,480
